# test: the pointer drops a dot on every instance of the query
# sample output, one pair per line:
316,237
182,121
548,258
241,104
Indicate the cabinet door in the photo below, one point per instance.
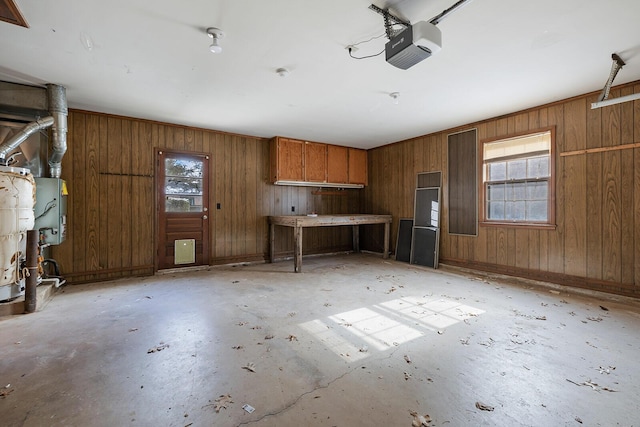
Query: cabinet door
290,160
357,166
337,164
315,162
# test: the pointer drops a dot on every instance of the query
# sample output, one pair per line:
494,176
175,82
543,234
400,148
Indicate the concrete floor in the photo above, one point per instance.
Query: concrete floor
329,347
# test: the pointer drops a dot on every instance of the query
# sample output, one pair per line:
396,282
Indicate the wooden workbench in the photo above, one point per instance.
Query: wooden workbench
298,222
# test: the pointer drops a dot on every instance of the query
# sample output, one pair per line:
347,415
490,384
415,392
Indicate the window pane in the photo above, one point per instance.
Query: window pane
517,169
497,171
515,211
183,168
537,211
496,210
495,191
516,191
538,167
183,204
183,186
537,190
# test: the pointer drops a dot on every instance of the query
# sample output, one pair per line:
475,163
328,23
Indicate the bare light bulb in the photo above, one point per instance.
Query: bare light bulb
215,47
215,34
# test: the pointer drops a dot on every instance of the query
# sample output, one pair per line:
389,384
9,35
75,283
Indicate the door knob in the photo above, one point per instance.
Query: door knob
204,217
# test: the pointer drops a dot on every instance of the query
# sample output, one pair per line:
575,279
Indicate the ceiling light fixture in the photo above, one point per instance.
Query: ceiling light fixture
396,97
215,35
282,72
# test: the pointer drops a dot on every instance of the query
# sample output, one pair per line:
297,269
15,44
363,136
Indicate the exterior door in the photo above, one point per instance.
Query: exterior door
183,212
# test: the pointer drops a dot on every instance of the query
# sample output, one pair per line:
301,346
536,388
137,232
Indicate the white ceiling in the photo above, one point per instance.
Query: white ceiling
150,59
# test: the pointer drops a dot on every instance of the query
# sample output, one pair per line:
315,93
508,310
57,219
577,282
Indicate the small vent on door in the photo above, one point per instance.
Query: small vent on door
185,251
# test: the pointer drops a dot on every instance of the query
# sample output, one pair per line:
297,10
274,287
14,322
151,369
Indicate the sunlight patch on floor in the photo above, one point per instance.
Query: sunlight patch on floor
353,334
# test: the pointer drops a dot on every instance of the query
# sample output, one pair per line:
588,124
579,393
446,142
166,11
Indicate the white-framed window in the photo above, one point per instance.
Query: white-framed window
518,179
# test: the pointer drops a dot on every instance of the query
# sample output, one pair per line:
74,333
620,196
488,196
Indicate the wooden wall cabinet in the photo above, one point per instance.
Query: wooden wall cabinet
337,164
315,162
295,162
287,159
357,166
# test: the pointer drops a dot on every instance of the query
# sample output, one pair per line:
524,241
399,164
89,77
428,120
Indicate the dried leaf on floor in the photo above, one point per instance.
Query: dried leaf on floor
292,338
606,370
594,386
222,402
158,348
6,390
407,358
604,308
250,367
420,420
484,406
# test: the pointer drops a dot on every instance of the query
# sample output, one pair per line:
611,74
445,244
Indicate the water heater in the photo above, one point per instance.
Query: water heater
51,210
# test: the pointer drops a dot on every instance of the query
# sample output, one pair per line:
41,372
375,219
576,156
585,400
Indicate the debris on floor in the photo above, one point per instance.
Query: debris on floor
363,349
555,292
420,420
248,408
237,347
250,367
292,314
242,323
541,317
222,402
256,327
595,319
604,308
393,289
158,348
407,376
606,370
407,358
6,390
578,420
484,406
292,338
133,329
268,337
593,385
465,341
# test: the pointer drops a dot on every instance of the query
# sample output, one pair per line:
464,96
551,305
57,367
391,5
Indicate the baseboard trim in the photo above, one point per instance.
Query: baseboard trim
626,289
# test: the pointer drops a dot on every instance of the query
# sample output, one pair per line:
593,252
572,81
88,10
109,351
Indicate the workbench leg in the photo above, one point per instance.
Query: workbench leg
272,242
387,231
297,258
356,238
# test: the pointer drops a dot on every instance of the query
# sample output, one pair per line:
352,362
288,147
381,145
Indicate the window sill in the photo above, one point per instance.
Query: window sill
528,225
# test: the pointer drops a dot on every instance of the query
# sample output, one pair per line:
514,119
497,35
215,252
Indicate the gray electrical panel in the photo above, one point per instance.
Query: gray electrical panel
51,210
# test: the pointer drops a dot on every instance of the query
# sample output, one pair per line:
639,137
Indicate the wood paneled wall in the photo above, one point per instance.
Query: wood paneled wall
596,243
110,172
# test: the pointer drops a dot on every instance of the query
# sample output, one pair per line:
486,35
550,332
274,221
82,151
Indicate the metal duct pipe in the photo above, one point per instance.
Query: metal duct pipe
58,109
30,293
24,133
